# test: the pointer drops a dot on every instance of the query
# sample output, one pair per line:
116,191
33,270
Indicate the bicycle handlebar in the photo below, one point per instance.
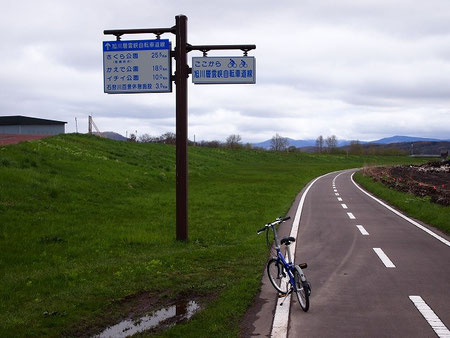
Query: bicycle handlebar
261,230
277,221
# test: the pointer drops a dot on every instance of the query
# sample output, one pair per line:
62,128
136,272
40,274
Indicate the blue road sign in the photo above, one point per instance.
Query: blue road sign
224,70
137,66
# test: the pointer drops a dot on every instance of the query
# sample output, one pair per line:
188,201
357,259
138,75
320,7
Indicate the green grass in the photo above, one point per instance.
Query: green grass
85,222
420,208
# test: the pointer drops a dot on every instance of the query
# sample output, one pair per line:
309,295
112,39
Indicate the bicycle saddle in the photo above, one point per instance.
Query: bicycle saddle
287,240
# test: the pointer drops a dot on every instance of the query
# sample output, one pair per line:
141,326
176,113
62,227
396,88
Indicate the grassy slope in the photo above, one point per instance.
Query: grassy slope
86,221
413,206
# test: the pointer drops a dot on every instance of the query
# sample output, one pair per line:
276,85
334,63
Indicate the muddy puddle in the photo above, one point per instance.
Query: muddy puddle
160,319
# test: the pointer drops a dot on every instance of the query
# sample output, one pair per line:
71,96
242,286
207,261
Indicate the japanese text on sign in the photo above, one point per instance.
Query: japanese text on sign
137,66
216,70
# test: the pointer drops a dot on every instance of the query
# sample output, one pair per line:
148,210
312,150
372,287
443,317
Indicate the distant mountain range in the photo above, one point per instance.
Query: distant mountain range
342,143
114,136
400,139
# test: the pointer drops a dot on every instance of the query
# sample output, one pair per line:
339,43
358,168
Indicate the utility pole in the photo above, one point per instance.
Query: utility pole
90,125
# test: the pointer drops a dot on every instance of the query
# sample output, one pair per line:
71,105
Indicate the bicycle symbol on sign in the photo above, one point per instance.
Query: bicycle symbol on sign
232,64
243,64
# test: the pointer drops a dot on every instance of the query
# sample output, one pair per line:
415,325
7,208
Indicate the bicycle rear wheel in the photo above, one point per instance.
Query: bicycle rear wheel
278,275
302,291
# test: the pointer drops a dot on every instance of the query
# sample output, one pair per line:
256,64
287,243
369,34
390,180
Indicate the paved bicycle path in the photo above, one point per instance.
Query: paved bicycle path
356,291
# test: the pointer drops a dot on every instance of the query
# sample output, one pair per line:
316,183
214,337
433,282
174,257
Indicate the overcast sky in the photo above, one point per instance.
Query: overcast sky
361,69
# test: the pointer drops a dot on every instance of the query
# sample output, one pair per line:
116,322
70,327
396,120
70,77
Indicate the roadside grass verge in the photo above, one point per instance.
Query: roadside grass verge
420,208
87,222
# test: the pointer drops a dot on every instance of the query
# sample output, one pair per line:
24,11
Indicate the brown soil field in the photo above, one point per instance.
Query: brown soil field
431,179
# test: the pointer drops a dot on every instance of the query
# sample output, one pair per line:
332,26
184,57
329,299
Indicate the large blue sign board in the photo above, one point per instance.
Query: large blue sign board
137,66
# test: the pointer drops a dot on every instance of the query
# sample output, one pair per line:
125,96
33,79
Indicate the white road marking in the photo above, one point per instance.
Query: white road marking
420,226
335,190
339,199
363,231
436,324
350,215
334,179
281,317
337,194
344,206
384,258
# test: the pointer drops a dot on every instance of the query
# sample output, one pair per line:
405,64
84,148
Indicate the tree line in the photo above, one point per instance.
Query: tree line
278,143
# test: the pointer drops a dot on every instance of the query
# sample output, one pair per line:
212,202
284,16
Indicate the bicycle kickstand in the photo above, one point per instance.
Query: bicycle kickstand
285,296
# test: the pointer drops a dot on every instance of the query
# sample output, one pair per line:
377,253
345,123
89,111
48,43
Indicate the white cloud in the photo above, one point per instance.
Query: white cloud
348,68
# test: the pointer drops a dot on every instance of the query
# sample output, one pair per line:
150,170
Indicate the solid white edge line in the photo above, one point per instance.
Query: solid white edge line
384,258
436,324
281,317
362,230
350,215
420,226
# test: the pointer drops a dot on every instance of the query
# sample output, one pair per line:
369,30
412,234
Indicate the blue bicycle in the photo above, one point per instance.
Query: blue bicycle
284,275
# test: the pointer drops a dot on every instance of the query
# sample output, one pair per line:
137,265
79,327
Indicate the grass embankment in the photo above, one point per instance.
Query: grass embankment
420,208
85,222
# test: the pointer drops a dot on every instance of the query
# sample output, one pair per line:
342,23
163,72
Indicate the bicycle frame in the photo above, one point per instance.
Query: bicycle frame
289,266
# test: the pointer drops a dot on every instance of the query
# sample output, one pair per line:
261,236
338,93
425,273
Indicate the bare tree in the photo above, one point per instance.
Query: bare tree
279,143
319,143
146,138
234,141
132,138
210,144
168,138
331,142
355,148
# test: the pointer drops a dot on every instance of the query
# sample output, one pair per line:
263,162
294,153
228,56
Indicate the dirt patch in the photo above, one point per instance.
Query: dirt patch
138,312
427,180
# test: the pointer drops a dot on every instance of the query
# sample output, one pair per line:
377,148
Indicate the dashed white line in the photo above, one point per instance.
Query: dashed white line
436,324
344,206
350,215
337,194
384,258
362,230
339,199
335,190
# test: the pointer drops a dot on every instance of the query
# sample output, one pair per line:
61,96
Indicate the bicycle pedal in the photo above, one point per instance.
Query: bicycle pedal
282,295
303,265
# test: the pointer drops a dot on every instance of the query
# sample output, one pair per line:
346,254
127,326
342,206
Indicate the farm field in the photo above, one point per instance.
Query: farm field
87,231
421,191
430,180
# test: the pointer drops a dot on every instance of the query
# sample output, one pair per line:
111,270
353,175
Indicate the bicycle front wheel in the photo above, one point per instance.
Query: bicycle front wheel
302,290
278,275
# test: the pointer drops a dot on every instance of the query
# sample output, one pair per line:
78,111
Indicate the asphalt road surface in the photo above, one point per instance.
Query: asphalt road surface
373,273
